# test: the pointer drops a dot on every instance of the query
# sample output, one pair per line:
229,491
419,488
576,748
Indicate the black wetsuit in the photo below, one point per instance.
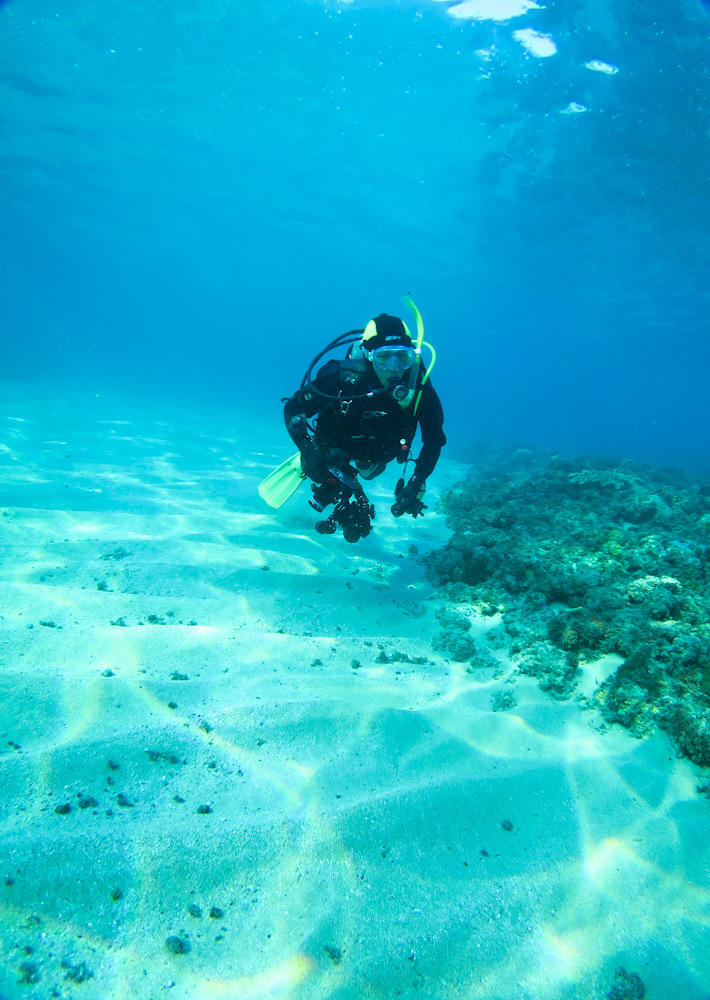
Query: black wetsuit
370,430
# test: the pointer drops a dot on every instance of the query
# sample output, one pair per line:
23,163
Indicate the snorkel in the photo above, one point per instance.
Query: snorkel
415,368
403,393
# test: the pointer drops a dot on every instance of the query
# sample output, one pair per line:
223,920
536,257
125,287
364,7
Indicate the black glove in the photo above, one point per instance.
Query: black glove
409,498
313,463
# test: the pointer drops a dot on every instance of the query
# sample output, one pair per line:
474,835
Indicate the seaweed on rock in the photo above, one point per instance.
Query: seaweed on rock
584,557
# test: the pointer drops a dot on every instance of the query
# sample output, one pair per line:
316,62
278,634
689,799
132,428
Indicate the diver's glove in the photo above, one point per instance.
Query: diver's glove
409,498
313,463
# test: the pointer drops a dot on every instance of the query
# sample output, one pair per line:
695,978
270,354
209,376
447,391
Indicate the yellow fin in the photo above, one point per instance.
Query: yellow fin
280,484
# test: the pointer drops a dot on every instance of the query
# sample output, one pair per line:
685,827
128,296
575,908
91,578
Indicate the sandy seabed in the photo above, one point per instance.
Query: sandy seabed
213,784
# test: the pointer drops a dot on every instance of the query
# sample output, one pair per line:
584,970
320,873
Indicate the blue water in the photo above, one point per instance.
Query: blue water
195,196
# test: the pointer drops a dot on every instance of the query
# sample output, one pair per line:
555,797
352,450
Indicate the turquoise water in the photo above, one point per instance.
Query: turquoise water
244,760
182,181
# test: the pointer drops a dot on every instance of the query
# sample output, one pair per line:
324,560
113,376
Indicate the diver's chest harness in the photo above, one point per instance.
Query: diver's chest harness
354,399
363,415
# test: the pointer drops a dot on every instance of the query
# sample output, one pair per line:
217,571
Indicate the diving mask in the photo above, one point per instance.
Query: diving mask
393,361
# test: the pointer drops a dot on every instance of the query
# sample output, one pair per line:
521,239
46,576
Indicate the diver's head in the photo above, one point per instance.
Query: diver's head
387,345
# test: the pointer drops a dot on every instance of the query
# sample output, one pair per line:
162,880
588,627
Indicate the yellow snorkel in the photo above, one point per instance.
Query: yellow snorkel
418,347
420,322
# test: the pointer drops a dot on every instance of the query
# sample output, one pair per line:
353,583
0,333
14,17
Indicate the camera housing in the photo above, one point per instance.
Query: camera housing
353,511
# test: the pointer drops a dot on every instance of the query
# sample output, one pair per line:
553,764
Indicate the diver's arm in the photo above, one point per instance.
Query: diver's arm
295,420
306,403
431,423
431,420
295,412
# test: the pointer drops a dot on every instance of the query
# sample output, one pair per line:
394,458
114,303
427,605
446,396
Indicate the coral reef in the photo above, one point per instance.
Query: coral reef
585,557
453,639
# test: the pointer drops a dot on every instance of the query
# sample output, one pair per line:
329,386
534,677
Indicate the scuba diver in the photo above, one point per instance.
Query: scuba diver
357,415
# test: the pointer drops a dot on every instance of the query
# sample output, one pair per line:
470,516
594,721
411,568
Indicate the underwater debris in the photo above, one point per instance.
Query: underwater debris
78,973
177,945
116,554
502,701
169,758
399,657
482,659
29,973
627,986
583,558
412,610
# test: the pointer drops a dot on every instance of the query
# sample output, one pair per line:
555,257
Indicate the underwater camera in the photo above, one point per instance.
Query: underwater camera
353,511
